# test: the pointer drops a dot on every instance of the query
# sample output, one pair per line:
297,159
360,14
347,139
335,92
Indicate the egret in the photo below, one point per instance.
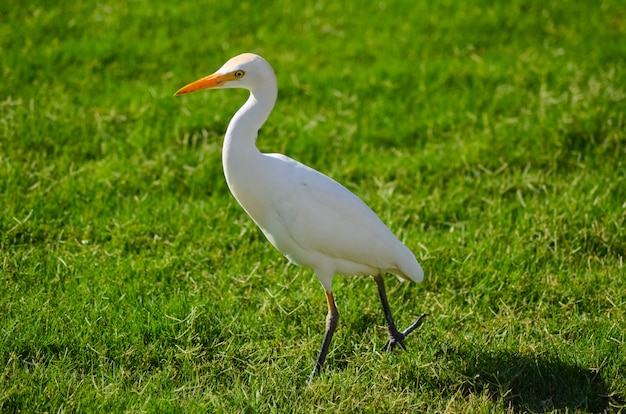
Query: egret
310,218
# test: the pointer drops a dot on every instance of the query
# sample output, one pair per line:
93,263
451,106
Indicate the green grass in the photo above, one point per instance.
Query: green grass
490,136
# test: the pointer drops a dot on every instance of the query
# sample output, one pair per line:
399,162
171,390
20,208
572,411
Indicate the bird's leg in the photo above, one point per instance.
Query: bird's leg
331,324
395,337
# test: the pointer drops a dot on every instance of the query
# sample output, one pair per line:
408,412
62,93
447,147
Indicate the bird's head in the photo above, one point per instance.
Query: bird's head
246,71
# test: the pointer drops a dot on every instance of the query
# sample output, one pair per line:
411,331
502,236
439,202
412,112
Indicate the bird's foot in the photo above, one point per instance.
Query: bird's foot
316,371
396,337
394,340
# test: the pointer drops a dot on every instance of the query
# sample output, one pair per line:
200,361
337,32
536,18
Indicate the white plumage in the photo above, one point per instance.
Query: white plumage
312,219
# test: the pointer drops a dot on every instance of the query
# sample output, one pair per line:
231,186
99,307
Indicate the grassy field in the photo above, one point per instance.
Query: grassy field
489,136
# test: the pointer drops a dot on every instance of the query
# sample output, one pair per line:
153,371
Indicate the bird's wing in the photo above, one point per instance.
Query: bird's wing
322,215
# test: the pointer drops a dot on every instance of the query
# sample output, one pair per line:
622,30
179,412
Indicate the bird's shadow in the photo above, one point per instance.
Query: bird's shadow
526,383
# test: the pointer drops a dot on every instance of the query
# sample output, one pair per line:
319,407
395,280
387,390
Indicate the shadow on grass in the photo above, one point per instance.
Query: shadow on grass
534,383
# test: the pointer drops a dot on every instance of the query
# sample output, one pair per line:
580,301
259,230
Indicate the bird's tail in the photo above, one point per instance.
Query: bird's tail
409,268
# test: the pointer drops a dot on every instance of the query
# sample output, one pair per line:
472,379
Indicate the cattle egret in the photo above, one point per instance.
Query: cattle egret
312,219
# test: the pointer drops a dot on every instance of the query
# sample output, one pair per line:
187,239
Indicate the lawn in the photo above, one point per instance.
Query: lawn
489,136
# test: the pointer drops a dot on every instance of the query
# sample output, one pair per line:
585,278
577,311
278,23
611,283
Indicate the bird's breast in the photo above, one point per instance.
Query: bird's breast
252,182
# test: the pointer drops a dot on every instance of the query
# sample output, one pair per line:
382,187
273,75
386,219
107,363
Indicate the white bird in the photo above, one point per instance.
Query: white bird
312,219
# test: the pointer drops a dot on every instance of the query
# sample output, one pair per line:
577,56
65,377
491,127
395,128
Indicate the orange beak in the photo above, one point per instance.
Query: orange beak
212,81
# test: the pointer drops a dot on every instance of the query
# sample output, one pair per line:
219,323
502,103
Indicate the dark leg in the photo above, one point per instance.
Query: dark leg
395,337
331,325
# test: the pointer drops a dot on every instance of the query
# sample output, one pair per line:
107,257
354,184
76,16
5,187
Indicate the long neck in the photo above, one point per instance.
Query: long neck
243,129
240,156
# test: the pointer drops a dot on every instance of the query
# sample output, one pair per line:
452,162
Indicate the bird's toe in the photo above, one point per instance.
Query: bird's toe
394,341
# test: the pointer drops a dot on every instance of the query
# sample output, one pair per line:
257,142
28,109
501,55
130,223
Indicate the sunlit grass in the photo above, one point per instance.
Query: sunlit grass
489,137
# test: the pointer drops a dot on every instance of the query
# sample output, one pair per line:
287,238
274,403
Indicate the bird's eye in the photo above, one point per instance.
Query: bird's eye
239,74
